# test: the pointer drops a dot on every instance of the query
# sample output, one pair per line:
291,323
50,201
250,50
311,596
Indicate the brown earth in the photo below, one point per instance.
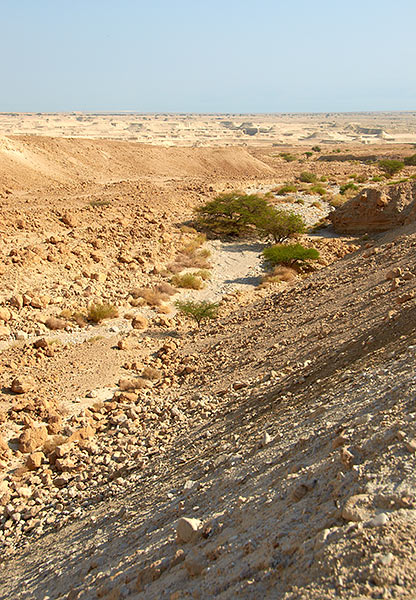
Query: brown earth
286,428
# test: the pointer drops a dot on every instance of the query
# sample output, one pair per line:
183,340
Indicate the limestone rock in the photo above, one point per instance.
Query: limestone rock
140,322
32,438
187,529
21,385
377,209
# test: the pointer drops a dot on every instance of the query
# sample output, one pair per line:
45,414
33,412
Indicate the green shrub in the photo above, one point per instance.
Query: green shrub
307,177
361,179
287,156
316,148
347,186
98,312
410,161
199,311
279,224
288,188
323,178
290,255
317,189
390,166
308,154
187,281
377,178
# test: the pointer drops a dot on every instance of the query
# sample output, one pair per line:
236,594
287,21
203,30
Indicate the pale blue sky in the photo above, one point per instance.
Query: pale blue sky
207,56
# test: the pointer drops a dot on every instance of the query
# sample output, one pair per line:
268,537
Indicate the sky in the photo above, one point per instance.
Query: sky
207,56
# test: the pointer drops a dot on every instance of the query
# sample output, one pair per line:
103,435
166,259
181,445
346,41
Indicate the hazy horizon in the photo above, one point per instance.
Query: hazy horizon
232,57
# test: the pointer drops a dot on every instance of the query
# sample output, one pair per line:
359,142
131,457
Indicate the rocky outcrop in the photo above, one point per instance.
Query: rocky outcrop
377,209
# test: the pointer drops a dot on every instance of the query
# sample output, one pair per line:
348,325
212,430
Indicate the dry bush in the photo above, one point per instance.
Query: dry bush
204,253
152,296
188,281
80,319
187,229
98,312
166,288
279,274
192,246
151,373
127,385
203,274
337,200
54,323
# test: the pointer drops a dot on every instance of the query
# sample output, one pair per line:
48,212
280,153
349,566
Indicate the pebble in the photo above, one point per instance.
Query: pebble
378,521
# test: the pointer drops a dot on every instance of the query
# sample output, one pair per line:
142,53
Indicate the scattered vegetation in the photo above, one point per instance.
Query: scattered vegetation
348,186
98,312
100,203
337,200
317,189
188,281
279,274
307,177
152,296
287,156
410,161
290,255
316,148
204,274
288,188
198,311
390,166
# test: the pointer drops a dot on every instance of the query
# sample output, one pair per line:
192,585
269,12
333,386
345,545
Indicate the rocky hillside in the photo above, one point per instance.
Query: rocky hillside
268,455
280,465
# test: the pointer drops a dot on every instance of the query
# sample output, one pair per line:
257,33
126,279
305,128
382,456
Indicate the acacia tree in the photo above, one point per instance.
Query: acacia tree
199,311
231,214
239,214
280,224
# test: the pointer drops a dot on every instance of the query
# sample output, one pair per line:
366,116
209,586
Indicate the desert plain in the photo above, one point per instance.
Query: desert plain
269,453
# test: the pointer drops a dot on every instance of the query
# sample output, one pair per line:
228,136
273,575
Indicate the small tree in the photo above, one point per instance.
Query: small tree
280,224
199,311
390,167
232,214
290,255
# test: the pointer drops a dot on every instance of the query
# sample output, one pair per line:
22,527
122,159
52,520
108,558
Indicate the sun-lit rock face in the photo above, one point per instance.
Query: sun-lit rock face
377,209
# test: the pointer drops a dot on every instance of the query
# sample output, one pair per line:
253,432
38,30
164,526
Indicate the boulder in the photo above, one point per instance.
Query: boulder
140,322
32,438
21,385
377,209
